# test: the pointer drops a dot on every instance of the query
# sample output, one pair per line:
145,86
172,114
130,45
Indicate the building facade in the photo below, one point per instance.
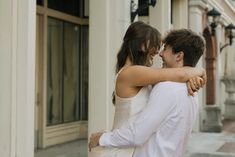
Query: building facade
57,62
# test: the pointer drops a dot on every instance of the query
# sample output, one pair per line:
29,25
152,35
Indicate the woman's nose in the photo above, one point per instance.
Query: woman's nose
161,49
160,53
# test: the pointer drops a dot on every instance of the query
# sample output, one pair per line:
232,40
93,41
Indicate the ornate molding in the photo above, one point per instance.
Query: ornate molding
201,4
225,19
230,4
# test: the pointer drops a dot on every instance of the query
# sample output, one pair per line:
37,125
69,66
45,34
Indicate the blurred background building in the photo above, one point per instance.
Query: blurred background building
57,65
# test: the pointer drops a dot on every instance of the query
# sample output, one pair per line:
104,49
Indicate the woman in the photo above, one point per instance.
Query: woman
140,44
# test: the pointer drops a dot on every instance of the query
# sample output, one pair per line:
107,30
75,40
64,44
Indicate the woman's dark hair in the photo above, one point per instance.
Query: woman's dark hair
137,34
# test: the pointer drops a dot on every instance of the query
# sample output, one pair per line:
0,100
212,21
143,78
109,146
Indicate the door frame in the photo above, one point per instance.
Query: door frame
50,135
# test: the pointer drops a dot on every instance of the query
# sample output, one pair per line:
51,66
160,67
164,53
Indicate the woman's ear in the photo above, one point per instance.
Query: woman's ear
145,46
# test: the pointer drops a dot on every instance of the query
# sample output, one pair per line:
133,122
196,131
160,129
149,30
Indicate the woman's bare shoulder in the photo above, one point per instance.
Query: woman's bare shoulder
131,72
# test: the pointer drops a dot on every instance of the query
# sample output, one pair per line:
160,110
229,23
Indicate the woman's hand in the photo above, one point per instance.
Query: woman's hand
195,83
94,140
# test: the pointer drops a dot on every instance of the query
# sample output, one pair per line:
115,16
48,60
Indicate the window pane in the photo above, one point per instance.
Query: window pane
67,77
67,6
39,2
70,77
172,4
54,72
84,73
85,8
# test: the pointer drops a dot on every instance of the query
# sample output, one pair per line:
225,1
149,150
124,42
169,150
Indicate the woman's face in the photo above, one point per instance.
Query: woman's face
151,52
150,56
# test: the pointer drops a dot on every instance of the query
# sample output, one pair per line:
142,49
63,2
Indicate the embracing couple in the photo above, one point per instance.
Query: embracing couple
155,109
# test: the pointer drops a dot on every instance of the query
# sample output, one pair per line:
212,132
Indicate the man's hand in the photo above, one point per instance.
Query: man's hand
94,140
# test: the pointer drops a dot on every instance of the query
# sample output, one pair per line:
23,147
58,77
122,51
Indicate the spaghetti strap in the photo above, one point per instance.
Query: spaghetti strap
115,81
120,72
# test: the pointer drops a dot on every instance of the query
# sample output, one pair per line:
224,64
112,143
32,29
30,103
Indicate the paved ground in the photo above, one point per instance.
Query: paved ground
229,126
71,149
200,145
211,145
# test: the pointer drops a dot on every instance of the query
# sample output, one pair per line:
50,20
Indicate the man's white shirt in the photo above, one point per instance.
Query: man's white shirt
163,128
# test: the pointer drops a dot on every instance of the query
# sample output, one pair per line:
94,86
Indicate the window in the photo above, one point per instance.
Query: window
39,2
67,78
71,7
84,73
63,70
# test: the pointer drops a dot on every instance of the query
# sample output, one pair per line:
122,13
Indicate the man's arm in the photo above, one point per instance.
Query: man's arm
161,101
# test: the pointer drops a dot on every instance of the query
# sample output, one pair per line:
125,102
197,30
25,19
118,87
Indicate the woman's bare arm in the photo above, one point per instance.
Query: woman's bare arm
142,75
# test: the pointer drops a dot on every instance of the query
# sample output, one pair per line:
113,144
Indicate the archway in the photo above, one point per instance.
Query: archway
211,53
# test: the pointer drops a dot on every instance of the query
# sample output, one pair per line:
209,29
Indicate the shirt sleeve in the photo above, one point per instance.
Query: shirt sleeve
161,101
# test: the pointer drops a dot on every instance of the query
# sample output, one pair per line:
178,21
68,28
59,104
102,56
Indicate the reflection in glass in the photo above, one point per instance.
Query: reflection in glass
70,79
84,73
67,74
54,72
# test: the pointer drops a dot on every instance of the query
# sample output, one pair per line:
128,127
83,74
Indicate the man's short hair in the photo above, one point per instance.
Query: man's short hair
187,41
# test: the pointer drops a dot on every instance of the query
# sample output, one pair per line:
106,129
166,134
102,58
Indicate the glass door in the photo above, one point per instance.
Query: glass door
63,78
67,76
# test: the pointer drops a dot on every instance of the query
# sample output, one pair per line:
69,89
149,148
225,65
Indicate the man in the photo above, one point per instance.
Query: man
162,129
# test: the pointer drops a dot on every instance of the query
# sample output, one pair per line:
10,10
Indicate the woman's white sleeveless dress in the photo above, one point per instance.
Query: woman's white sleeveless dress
126,110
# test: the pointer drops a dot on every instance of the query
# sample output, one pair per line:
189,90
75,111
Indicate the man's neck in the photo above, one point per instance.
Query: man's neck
178,65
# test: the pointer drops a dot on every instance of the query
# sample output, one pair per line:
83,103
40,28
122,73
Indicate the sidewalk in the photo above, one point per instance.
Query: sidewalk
211,145
72,149
200,145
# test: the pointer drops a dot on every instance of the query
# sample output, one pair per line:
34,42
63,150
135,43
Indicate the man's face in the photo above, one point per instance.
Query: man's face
168,57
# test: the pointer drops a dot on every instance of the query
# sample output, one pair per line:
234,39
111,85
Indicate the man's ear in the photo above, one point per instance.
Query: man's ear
180,56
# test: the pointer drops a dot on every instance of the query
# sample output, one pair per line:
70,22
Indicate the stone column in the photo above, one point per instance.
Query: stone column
213,121
160,15
108,21
196,9
229,82
17,68
219,73
180,14
210,115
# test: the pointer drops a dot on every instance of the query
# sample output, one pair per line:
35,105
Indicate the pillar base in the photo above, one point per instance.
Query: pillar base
229,82
229,110
213,119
